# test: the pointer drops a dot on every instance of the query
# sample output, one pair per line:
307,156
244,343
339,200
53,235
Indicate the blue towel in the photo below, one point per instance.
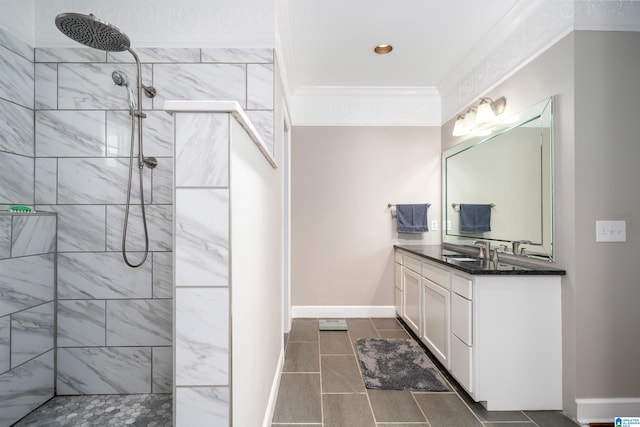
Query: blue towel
412,218
475,218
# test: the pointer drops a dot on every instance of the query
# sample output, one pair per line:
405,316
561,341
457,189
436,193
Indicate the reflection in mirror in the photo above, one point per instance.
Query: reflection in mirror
510,169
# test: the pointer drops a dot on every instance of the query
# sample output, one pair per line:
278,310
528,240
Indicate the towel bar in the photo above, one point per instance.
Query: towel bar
455,205
390,205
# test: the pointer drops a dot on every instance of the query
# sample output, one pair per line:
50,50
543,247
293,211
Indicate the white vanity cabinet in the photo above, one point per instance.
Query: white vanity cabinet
425,302
499,335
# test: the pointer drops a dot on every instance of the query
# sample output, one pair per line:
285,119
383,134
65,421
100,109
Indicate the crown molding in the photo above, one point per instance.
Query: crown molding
524,34
366,106
607,15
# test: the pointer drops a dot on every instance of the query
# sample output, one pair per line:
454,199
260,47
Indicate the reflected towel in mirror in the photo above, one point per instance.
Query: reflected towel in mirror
412,218
475,218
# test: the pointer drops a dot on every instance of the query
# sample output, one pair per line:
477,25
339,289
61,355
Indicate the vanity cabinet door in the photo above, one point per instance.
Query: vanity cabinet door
411,310
435,303
398,292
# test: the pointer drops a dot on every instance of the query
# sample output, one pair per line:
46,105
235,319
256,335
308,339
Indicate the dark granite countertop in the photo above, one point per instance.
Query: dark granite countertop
455,260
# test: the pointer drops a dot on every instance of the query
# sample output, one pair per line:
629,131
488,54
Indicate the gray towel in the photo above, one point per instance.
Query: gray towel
475,218
412,218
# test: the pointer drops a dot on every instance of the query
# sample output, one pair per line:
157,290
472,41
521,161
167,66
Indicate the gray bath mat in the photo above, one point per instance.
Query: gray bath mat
397,364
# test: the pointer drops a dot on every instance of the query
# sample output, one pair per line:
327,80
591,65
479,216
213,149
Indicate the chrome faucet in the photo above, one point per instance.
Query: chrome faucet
515,246
485,248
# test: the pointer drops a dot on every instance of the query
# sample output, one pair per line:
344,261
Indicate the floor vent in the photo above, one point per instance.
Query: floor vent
333,325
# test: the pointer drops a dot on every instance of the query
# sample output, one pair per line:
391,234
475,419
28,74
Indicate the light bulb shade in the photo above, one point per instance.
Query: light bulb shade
470,119
485,111
458,127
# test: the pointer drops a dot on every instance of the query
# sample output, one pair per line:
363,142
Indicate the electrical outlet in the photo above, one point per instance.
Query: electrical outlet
434,225
448,225
611,231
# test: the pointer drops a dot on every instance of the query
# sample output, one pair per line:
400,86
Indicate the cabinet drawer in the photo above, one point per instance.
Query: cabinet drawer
398,257
462,286
461,366
411,263
436,275
411,299
461,318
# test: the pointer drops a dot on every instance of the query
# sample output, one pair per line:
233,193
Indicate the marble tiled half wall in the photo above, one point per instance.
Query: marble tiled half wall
115,322
202,368
27,313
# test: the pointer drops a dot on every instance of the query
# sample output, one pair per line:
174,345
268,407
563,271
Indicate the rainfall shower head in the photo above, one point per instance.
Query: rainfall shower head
92,32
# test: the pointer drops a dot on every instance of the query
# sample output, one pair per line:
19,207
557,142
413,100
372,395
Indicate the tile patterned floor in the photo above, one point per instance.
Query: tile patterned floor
144,410
322,386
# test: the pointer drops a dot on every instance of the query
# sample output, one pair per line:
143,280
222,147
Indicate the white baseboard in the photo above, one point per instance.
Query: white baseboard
605,410
343,311
273,396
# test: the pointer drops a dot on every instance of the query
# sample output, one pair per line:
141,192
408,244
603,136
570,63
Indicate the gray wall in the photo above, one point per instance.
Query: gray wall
593,78
607,151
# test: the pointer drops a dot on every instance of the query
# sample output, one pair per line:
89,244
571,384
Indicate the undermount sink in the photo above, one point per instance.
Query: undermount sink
462,257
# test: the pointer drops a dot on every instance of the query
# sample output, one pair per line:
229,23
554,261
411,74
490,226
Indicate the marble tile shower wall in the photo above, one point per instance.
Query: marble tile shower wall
27,319
16,122
114,322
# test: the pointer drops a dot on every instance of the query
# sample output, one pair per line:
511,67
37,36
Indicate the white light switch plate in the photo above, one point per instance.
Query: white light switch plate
611,231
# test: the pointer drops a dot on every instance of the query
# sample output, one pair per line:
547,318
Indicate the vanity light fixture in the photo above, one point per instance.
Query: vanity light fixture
489,109
383,49
486,111
470,119
458,127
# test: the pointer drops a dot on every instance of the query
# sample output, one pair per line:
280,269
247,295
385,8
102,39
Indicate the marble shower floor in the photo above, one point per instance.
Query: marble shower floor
144,410
322,386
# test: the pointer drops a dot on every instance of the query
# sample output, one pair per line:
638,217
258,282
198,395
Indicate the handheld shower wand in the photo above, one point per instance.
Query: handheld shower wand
121,79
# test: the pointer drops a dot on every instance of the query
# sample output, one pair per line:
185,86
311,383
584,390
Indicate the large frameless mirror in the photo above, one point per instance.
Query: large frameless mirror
509,173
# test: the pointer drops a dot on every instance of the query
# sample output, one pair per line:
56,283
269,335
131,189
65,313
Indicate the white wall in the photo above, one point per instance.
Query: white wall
342,230
256,259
